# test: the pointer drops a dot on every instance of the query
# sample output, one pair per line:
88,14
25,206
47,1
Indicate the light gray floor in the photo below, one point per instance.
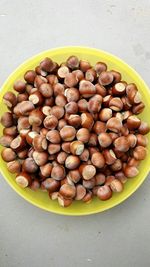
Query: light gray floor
29,236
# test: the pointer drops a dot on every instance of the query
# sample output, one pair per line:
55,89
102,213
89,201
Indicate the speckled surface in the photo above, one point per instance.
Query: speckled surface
29,236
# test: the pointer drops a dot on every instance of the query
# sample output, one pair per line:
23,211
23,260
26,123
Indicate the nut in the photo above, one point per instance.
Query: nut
117,165
46,170
68,133
53,148
14,166
122,144
67,191
51,185
87,120
64,202
29,165
87,171
113,136
46,90
72,94
47,64
88,197
9,99
63,71
117,76
99,127
18,143
144,128
80,192
30,136
74,120
6,140
50,122
72,162
78,74
130,171
109,156
105,78
46,110
35,185
76,148
100,67
30,76
83,135
86,88
104,139
61,123
133,162
58,172
52,79
132,139
119,89
84,155
11,131
59,89
133,122
60,101
7,119
89,184
114,125
23,179
23,123
105,114
104,192
141,140
82,105
53,136
71,108
57,111
74,175
73,62
100,179
84,65
106,100
40,158
116,186
126,103
61,157
139,153
70,80
121,177
98,160
66,147
100,89
116,104
109,179
90,75
23,154
137,109
36,98
20,86
94,104
39,143
93,141
23,108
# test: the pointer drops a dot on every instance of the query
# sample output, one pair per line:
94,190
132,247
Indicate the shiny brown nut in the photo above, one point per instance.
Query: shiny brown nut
121,177
36,117
100,89
104,192
52,79
124,130
98,160
50,122
131,171
141,140
76,147
116,75
114,125
23,108
6,140
80,192
58,172
29,88
72,62
137,109
63,71
74,175
122,144
88,197
82,105
72,94
133,162
86,89
39,143
53,195
53,148
87,171
23,179
9,99
19,86
126,114
99,127
100,67
53,136
119,89
46,110
116,104
70,80
83,135
36,98
60,100
109,179
87,120
29,165
61,124
117,165
40,158
93,140
8,154
132,139
18,143
39,79
84,155
126,103
14,166
22,97
58,89
109,156
74,120
106,101
94,104
46,169
72,162
116,186
79,74
66,147
51,185
7,119
29,76
67,133
84,65
35,185
100,179
71,107
144,128
64,202
89,184
47,64
23,154
67,191
113,135
133,95
92,150
61,157
46,90
139,152
90,75
23,123
11,131
57,111
30,136
105,78
105,114
104,139
133,122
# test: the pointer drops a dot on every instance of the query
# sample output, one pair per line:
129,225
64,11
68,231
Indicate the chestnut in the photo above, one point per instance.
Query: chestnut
116,186
114,124
105,114
105,78
9,99
139,152
20,86
29,165
23,179
67,191
72,94
76,147
6,140
144,128
53,148
14,166
7,119
39,143
58,172
83,135
73,62
122,144
72,162
98,160
86,89
104,139
87,120
70,80
100,67
80,192
40,158
68,133
104,192
50,122
88,171
51,185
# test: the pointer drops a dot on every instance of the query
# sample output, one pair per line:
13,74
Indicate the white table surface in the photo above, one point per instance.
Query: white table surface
119,237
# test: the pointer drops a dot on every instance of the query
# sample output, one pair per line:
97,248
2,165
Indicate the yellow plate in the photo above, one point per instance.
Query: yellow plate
41,199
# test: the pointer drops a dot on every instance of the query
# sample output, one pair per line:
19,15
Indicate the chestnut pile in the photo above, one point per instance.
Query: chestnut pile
72,130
